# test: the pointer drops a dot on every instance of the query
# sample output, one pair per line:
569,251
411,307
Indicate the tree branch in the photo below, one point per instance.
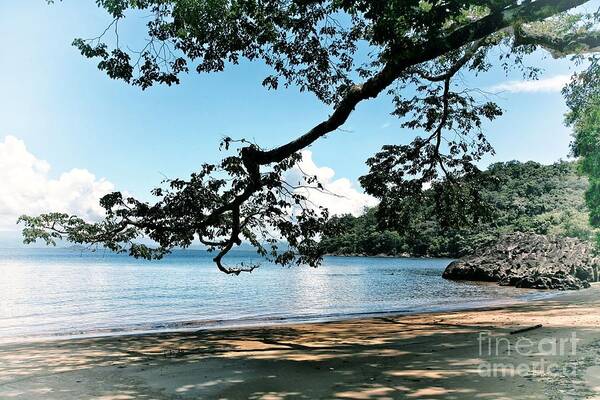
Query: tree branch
404,58
559,46
466,57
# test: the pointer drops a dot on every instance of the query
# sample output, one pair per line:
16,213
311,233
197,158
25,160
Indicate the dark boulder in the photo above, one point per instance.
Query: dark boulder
530,261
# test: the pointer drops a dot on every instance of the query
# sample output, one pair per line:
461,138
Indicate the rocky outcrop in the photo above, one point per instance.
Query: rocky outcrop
530,261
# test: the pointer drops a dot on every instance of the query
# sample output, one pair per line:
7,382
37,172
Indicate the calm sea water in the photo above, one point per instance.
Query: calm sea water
64,292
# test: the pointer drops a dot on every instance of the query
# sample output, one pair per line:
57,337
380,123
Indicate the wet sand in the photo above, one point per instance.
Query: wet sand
452,355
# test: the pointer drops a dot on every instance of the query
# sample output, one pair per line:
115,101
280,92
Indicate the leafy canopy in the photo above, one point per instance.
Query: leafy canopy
344,52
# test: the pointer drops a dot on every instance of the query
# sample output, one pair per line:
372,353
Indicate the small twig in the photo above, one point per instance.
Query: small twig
530,328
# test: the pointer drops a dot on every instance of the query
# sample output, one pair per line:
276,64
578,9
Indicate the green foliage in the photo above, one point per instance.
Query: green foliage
583,97
587,145
523,197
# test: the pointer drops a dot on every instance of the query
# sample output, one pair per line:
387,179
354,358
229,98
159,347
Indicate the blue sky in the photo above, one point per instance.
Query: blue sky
72,116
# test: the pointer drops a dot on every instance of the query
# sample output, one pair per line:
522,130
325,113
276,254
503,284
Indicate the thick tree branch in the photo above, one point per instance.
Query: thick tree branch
402,59
234,239
559,46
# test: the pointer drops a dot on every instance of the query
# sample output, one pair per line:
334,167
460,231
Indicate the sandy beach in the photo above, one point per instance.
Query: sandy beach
457,355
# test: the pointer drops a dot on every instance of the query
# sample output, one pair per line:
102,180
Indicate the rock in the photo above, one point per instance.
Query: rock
529,260
560,281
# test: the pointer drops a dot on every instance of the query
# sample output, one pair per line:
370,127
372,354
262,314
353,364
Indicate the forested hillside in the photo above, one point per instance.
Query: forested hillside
525,197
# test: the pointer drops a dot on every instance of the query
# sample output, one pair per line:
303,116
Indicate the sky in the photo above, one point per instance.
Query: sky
68,133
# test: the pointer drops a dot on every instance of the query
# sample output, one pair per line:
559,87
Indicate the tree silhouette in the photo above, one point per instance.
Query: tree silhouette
415,50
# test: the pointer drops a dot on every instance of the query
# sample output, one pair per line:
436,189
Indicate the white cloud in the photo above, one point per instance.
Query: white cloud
547,85
339,195
26,188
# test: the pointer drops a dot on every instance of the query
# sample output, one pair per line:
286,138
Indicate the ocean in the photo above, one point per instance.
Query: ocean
54,292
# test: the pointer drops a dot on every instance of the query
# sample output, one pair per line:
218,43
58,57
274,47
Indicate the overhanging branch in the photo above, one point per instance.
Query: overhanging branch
403,59
559,46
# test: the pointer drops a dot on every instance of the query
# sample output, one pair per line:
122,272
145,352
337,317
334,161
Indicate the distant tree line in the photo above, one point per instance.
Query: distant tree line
583,99
514,196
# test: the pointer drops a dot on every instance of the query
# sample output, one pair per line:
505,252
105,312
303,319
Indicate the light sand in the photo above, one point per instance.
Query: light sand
428,356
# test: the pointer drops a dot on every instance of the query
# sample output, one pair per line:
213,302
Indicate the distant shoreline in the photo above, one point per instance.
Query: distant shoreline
382,255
